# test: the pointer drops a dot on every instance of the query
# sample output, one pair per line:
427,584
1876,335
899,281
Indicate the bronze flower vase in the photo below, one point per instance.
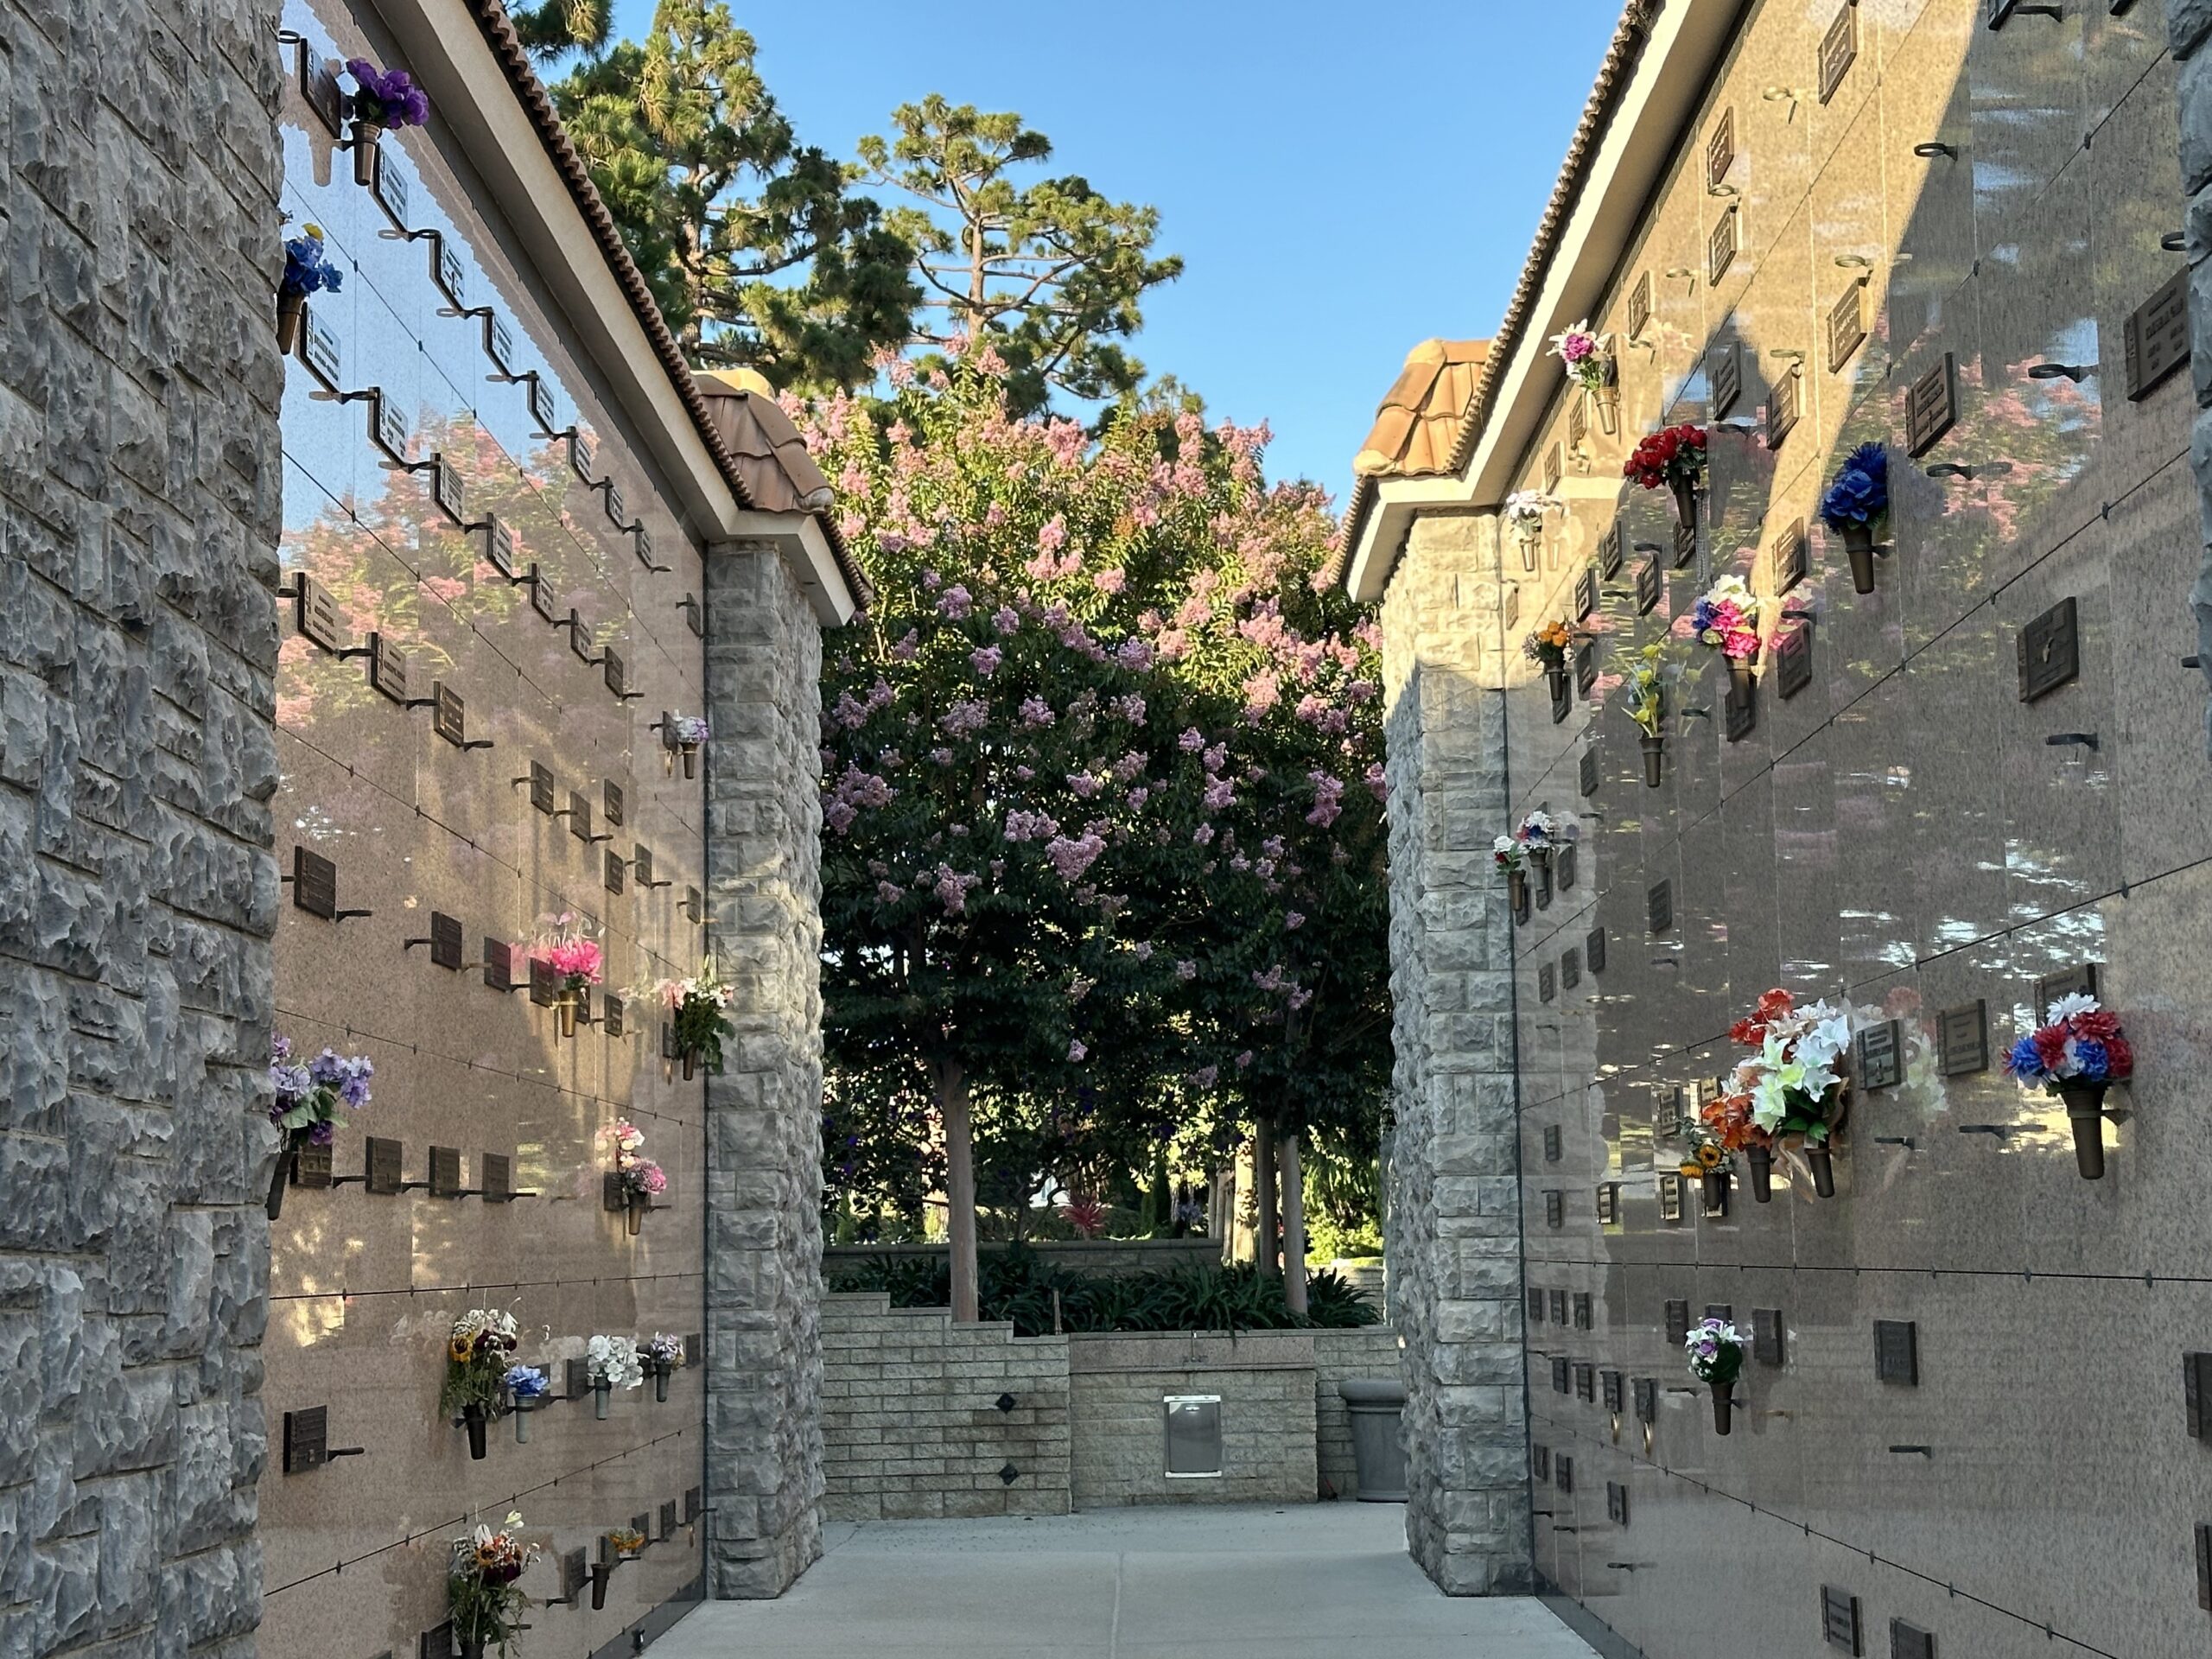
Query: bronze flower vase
634,1217
1516,891
691,753
1823,1165
471,1647
1684,490
565,1008
602,1396
661,1370
690,1061
1714,1183
1723,1405
1655,751
277,1180
1760,1160
2085,1114
1540,860
1606,398
1858,546
601,1571
1742,677
1528,544
521,1409
365,134
290,308
475,1419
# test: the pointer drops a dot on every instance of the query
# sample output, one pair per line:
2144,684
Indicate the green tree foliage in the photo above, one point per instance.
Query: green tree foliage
1052,272
757,252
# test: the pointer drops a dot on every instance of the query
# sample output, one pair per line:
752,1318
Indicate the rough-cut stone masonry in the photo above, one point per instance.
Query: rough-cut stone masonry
139,495
2189,31
1453,1211
763,1248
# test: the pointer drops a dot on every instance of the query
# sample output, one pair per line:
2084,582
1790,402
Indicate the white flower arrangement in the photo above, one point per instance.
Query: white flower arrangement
1525,511
614,1360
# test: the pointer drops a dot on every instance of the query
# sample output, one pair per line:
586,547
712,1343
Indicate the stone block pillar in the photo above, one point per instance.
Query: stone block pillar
2189,24
1452,1234
139,502
763,1173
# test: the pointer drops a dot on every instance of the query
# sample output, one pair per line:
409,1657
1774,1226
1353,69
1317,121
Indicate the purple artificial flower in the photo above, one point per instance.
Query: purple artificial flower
387,97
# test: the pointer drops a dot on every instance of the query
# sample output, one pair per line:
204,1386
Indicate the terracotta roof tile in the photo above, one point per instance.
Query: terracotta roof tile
780,475
1418,417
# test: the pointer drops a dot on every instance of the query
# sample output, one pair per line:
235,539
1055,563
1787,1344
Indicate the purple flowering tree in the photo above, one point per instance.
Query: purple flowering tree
1095,778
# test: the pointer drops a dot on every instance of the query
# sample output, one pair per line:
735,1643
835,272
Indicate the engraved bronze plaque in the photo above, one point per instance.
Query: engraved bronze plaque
668,1519
313,1165
616,676
1685,544
691,906
387,668
541,404
1512,604
1739,712
448,714
615,505
1554,1208
1563,864
575,1572
1593,948
1609,551
497,1172
579,638
1963,1038
1678,1320
1562,696
1612,1390
1724,371
1766,1335
580,454
316,613
1720,147
1720,247
498,964
612,1010
1608,1202
695,616
388,184
314,884
1570,968
1562,1375
448,491
545,983
499,544
1793,660
1563,1472
1722,1311
1838,48
1648,586
2068,982
1536,1305
2197,1394
500,345
445,947
641,864
1910,1642
1547,984
386,1176
2158,338
436,1643
1931,407
1585,1380
1644,1390
645,542
541,787
575,1378
1585,592
1659,905
388,427
318,90
1578,423
693,1501
615,871
1639,306
1587,772
667,1041
319,350
445,1171
1784,403
1840,1618
610,802
1847,327
1670,1198
1559,1307
1551,1143
541,596
1616,1498
1540,1462
1671,1113
451,274
1792,557
1554,465
579,815
2049,651
1582,1314
307,1439
1879,1063
1896,1352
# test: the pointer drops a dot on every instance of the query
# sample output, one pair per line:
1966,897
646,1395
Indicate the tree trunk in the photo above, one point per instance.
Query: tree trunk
1221,1216
1293,1225
1263,1187
959,1187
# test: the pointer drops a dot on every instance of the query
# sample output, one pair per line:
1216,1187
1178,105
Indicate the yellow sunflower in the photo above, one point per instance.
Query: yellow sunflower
1709,1155
1691,1169
458,1350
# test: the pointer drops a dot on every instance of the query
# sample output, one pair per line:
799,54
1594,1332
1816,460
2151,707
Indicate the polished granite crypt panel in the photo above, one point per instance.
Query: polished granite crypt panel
1981,194
492,608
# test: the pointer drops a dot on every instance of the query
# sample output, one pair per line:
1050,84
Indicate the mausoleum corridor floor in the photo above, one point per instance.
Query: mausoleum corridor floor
1233,1583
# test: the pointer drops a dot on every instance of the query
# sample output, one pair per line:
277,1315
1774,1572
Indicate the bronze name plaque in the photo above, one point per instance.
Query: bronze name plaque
615,514
1685,544
319,350
541,597
451,274
1896,1351
611,1014
445,947
450,714
499,344
1783,401
1739,712
498,964
1609,551
541,787
641,865
1792,557
497,1173
544,984
1793,660
1578,428
541,403
1931,407
307,1439
579,815
614,871
1847,327
499,543
316,613
1880,1062
389,187
2049,651
388,426
1659,906
1721,147
2158,338
313,1167
1585,675
1648,585
1724,369
580,454
1840,1618
1547,984
1585,592
610,802
314,884
1594,949
1720,247
1766,1335
445,1171
447,490
1963,1038
616,676
387,668
1586,778
1839,49
1639,306
1554,465
385,1174
1608,1202
318,90
579,638
1552,1143
1554,1209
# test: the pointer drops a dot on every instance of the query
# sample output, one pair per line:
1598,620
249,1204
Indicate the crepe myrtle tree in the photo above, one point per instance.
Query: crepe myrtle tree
1073,729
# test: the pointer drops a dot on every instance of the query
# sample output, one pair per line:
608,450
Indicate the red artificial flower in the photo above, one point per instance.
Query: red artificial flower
1748,1032
2102,1024
1775,1002
2050,1046
2119,1056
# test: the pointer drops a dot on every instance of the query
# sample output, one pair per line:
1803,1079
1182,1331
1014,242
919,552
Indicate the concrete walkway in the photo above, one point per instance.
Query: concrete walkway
1230,1582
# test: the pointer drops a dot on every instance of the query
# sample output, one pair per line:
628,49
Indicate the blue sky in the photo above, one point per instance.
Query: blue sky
1340,183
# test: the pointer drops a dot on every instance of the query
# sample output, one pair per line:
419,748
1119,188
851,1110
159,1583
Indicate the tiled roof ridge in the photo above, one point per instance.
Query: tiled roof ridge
538,103
1613,76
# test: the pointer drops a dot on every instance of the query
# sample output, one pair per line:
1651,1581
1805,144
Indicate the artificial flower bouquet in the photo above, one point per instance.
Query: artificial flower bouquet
1714,1349
686,735
1547,647
1672,458
613,1363
1727,620
1791,1087
638,1180
385,98
577,964
1644,693
307,269
1587,358
2078,1053
307,1102
695,1007
662,1356
1855,505
1706,1159
1524,516
481,1591
478,1348
1540,837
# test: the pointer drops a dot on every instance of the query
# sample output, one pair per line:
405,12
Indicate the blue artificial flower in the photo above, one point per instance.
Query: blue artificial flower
525,1382
2023,1062
2092,1058
1860,492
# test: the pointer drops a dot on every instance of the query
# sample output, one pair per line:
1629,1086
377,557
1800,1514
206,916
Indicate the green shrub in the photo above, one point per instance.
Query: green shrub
1017,1284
